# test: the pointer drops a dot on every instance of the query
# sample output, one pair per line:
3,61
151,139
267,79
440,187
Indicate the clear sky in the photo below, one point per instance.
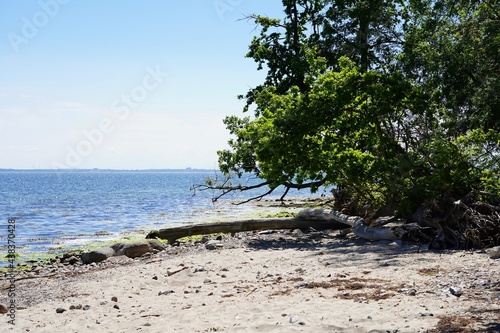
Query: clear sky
122,84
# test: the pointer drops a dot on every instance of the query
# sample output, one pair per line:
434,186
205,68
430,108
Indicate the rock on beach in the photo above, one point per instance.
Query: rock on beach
131,250
279,281
495,252
97,255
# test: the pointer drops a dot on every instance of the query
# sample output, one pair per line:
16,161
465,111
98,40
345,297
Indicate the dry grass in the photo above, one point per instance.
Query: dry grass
431,271
370,289
284,292
458,324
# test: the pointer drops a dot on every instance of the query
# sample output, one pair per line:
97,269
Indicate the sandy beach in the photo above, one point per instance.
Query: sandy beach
275,281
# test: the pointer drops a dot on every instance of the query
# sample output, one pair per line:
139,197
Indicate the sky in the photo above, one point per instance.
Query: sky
123,84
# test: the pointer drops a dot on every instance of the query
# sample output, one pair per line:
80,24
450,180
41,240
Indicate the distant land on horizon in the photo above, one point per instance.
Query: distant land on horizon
188,169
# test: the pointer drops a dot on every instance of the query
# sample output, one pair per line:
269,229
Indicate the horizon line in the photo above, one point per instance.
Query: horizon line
110,169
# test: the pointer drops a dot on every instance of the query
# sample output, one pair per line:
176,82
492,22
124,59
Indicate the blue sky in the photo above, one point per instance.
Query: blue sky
122,84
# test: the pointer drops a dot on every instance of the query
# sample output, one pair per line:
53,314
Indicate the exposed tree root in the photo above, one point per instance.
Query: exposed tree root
360,227
477,224
472,222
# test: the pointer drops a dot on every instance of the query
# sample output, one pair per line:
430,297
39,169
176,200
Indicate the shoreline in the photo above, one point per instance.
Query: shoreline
94,205
268,281
274,281
223,210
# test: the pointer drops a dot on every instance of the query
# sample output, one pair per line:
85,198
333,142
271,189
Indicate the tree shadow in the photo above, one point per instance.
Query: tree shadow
493,327
335,251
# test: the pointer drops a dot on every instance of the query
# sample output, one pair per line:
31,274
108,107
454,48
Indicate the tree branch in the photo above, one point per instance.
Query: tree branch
225,187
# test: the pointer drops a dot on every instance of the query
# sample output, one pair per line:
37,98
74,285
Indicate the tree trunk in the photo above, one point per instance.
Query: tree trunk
319,219
362,230
172,234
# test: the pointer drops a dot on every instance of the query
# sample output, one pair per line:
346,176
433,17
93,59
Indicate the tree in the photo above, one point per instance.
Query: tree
392,101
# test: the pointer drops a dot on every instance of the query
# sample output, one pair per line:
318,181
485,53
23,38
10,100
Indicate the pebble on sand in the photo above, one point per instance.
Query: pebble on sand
495,252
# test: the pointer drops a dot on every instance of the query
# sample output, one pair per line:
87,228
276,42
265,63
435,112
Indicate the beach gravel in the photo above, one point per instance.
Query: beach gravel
250,285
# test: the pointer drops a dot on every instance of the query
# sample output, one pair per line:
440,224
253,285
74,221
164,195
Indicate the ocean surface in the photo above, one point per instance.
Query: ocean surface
55,210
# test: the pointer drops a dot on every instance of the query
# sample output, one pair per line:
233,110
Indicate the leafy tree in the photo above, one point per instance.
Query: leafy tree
452,47
394,102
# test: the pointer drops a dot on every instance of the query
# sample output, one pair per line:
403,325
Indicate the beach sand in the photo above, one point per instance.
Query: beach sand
277,281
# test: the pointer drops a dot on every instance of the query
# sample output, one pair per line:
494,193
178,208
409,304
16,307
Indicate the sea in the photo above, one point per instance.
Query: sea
56,210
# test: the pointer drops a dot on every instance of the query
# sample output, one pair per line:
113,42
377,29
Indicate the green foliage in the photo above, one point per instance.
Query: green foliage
394,101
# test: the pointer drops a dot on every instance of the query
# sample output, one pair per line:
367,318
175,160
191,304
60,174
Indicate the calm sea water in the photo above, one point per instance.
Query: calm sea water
69,208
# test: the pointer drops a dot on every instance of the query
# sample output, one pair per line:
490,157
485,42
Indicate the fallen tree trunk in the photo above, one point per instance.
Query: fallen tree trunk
359,227
319,219
172,234
358,224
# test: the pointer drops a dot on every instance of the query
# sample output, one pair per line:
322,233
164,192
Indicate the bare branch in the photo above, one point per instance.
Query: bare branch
258,197
225,188
284,194
305,185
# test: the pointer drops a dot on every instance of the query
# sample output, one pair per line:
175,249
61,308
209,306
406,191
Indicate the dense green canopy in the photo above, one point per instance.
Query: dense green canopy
394,102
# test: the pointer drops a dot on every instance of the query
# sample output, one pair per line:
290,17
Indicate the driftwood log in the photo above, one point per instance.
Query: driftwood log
172,234
360,227
318,219
472,228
